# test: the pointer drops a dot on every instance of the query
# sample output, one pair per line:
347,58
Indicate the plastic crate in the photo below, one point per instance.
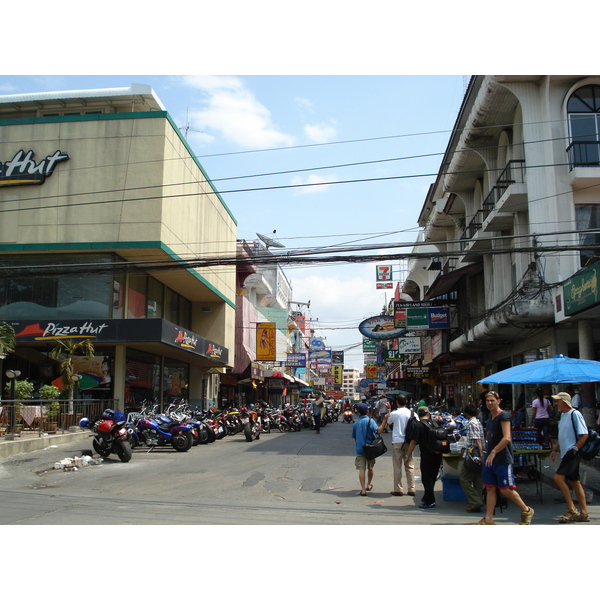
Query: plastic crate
453,491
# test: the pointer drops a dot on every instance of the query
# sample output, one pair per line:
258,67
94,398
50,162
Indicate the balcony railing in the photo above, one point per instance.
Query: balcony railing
514,172
584,154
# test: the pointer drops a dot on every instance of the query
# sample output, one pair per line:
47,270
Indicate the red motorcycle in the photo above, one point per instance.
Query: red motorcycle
110,435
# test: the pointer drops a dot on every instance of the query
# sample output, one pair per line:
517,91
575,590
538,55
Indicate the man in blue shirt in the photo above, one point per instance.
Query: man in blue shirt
363,432
572,435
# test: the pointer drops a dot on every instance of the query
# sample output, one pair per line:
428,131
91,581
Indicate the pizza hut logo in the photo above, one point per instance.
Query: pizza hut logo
214,351
21,169
185,340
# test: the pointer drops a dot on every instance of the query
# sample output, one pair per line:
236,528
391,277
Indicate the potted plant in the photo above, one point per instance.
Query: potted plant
23,389
50,416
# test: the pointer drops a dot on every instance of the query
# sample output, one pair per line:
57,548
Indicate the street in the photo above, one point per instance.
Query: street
296,478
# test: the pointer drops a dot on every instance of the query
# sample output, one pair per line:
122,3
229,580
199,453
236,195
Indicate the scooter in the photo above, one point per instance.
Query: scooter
348,418
250,425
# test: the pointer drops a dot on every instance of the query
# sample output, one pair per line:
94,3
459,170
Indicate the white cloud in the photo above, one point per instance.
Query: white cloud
231,110
320,133
314,183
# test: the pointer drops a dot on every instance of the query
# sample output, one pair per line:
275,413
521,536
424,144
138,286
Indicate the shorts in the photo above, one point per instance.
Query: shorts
362,463
569,466
500,476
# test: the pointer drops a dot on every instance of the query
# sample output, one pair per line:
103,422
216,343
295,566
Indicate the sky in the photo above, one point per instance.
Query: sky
286,131
267,88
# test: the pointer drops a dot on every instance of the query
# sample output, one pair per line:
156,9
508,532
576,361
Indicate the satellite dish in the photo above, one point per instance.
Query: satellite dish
269,241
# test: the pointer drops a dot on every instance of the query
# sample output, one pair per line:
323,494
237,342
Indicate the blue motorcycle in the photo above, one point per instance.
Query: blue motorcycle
161,430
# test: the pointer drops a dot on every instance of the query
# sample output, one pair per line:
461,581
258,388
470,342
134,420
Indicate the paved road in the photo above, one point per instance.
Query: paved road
281,479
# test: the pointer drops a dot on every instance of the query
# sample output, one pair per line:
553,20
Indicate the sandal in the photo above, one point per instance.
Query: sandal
527,516
369,488
361,494
570,516
484,522
582,518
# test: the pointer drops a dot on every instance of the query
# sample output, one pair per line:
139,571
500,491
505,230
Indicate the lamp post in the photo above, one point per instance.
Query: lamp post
12,375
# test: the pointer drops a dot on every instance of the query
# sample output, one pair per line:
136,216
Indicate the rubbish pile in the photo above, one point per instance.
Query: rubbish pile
77,462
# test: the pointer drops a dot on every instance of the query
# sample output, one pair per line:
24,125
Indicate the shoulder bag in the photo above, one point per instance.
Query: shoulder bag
374,449
592,445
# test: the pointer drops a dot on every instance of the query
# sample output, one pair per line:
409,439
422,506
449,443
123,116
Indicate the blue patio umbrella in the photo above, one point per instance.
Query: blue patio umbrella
560,369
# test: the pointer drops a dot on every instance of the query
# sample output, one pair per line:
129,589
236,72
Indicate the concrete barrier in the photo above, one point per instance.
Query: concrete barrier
28,444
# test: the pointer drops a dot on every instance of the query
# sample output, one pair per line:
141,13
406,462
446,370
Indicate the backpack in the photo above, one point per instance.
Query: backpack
411,433
437,439
592,445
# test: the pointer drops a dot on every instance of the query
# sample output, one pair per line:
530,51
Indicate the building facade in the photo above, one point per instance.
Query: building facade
108,223
510,219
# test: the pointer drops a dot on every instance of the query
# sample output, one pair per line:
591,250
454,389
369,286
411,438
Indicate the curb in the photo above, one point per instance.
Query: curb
19,446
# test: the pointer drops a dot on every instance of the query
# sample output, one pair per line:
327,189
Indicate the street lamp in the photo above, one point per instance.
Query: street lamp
76,379
12,375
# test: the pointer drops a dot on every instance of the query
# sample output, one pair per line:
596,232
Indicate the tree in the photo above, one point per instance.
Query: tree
65,351
7,338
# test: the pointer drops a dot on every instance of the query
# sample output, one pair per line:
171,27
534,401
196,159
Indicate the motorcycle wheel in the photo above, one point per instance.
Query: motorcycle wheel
267,427
182,441
256,433
123,450
223,433
99,449
203,435
231,429
248,432
212,436
283,427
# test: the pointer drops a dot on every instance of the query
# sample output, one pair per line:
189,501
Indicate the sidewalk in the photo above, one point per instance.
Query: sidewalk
31,440
588,470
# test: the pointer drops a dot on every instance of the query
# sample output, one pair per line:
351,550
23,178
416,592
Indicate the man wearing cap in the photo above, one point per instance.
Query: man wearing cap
430,461
572,435
363,432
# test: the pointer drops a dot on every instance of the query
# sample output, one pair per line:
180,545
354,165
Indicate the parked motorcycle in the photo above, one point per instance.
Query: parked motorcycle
110,435
161,430
249,422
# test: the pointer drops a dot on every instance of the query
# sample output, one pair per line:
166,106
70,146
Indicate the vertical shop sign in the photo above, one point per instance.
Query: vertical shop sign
265,341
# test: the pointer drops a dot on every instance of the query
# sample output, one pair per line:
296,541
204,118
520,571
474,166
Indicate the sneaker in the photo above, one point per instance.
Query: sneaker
432,505
527,516
484,522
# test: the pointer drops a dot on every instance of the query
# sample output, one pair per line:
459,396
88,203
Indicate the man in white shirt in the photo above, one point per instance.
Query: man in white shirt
575,397
399,419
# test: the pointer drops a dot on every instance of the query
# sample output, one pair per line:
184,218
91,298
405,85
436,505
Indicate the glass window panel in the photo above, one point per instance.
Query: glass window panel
155,298
172,306
137,297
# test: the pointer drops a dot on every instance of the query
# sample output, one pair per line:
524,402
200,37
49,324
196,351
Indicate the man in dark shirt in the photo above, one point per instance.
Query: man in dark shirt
498,463
430,460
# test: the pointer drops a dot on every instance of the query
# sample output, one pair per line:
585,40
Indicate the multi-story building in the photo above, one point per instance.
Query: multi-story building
510,228
350,379
108,220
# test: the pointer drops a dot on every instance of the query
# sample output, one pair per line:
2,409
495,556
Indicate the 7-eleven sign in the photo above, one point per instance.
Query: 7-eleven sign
384,273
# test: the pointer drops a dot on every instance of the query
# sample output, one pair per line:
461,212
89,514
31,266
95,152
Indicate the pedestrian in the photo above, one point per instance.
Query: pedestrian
484,412
316,410
472,481
541,409
363,432
398,418
422,401
498,464
431,461
383,407
575,397
520,413
572,435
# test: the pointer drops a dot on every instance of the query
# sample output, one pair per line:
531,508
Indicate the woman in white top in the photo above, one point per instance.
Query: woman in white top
541,412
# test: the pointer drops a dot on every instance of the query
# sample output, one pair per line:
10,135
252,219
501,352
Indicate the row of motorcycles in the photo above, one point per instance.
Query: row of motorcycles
181,427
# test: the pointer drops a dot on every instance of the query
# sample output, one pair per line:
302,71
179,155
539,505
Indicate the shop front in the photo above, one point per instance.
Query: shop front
135,360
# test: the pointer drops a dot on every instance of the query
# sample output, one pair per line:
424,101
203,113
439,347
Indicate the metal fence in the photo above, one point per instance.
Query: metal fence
41,417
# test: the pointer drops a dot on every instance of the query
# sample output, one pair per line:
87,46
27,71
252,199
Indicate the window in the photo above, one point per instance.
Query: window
583,109
588,217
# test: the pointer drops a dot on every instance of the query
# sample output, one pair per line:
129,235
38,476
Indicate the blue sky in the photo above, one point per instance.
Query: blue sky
244,126
311,90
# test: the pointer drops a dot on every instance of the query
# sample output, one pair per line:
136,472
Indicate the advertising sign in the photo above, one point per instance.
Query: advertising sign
265,341
380,327
337,357
409,345
421,315
384,273
295,360
581,290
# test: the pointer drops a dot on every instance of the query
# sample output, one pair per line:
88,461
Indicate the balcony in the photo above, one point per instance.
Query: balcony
584,164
